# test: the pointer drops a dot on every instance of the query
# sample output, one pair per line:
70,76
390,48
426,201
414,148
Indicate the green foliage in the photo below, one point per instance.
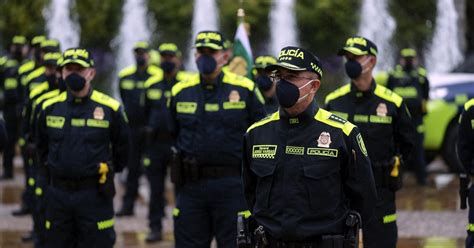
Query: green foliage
415,22
99,21
256,15
173,22
21,17
324,25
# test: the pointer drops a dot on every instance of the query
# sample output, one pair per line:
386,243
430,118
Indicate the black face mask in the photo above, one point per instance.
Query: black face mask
288,94
408,65
51,79
75,82
167,66
17,54
353,68
206,64
264,82
37,54
140,61
62,84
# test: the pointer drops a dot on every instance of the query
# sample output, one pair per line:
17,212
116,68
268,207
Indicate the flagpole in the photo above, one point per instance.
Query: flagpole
240,12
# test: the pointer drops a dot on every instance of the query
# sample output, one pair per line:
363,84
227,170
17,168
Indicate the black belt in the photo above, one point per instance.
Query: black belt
73,184
326,241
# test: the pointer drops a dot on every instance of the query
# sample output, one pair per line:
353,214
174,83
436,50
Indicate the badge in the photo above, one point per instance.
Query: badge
99,113
324,140
234,96
382,109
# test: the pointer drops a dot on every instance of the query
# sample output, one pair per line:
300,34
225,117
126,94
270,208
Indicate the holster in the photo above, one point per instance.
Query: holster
384,176
107,189
244,235
353,233
177,170
464,182
395,179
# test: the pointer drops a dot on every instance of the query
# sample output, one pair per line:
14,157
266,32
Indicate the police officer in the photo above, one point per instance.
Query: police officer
304,168
410,82
158,153
264,82
385,125
31,64
82,137
132,92
212,110
465,150
12,100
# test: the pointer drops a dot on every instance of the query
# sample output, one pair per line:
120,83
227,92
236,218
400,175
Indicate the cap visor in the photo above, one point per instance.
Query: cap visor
209,45
168,53
352,50
76,61
284,65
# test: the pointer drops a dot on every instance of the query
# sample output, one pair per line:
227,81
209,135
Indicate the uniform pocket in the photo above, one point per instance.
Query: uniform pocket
264,171
323,184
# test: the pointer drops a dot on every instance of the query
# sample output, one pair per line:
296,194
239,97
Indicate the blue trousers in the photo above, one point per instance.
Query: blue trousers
207,209
134,170
381,230
470,234
78,219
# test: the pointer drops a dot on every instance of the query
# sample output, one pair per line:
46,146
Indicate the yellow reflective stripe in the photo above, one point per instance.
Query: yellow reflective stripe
338,93
361,118
55,121
470,227
176,212
97,123
186,107
469,104
189,82
389,218
330,119
211,107
274,117
101,225
234,105
47,224
381,119
31,181
60,98
406,92
105,100
259,96
146,162
154,94
127,85
127,71
472,124
21,142
78,122
34,74
40,88
388,95
11,83
245,213
341,114
38,191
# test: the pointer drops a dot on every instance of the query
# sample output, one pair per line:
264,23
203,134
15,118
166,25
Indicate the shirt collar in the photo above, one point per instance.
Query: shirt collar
73,99
363,94
304,116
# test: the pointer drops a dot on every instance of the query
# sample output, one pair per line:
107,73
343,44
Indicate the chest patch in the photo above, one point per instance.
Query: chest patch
324,140
382,109
264,151
234,96
99,113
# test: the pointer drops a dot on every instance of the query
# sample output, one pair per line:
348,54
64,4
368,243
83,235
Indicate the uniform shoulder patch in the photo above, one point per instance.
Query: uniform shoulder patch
154,79
338,93
153,70
105,100
59,98
273,117
27,66
35,73
388,95
333,120
127,71
188,82
422,71
39,89
469,104
237,80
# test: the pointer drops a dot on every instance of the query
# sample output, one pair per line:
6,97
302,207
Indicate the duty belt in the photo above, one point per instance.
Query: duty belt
326,241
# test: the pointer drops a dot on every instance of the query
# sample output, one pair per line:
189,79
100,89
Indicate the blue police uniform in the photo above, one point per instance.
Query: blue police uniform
132,93
211,120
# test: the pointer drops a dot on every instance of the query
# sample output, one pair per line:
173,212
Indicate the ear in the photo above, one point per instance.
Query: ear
315,85
91,74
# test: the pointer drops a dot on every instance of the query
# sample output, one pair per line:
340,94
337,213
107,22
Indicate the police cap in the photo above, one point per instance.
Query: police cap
141,46
358,45
77,56
263,61
297,59
169,49
36,41
50,45
19,40
211,39
51,58
408,52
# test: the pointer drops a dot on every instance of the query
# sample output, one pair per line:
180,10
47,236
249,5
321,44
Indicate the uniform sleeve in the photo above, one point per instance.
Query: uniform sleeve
249,179
120,141
404,131
359,184
465,145
41,137
257,111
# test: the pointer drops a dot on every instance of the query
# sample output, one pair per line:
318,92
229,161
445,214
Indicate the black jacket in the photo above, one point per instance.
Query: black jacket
303,174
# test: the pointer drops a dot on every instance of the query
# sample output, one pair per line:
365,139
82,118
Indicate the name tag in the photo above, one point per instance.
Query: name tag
186,107
264,151
326,152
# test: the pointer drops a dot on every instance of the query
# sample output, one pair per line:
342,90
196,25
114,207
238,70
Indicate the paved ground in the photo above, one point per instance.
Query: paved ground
428,217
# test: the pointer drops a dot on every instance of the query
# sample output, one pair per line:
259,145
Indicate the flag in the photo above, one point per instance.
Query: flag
242,63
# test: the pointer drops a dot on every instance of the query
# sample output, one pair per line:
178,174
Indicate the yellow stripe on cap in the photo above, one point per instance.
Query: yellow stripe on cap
408,52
